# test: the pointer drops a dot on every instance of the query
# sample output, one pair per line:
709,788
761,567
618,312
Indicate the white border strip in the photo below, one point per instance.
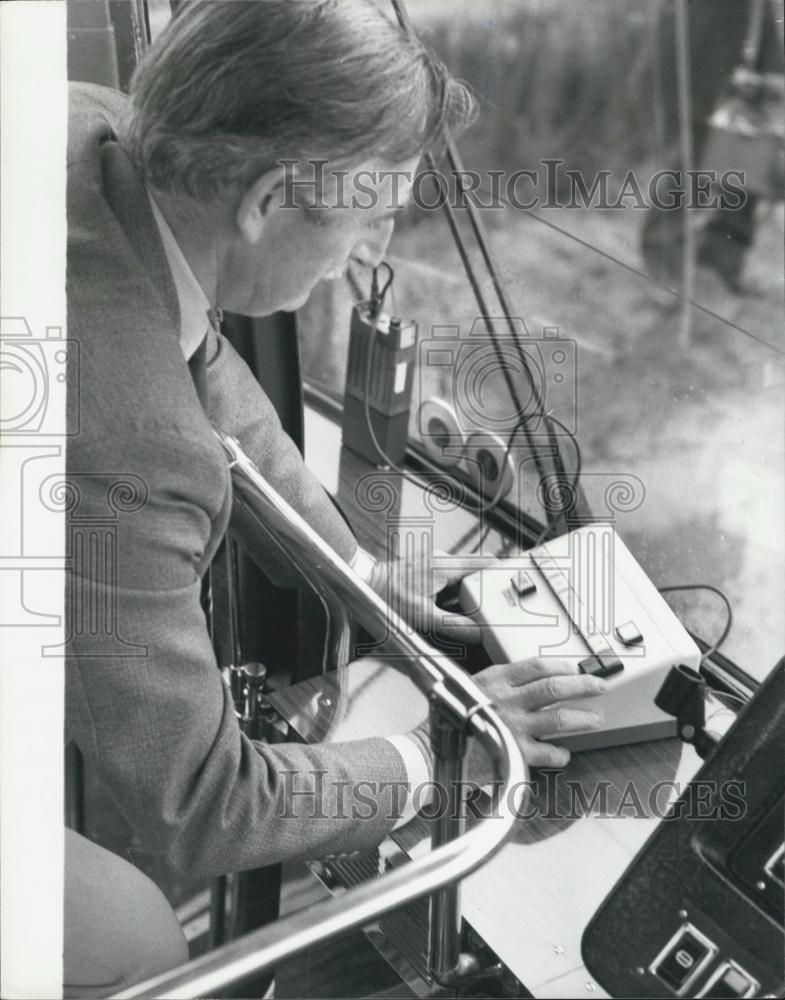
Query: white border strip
33,111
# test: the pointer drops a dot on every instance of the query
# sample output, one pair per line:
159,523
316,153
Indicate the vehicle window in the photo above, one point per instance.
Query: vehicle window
677,410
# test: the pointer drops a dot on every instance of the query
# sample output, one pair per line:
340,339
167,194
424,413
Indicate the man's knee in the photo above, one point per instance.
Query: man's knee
119,928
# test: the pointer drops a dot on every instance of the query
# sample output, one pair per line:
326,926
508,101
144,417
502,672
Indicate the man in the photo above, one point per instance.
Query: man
719,37
179,205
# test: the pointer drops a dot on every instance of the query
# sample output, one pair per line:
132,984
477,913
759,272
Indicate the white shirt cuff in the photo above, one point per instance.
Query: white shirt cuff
417,775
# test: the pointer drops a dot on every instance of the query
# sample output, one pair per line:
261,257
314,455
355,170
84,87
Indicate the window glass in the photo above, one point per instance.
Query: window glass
159,13
677,410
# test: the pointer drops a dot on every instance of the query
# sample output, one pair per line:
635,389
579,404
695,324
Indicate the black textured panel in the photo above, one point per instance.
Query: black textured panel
692,870
405,929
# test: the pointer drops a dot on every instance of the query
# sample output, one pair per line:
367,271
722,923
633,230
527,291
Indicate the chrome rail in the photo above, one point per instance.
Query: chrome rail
450,860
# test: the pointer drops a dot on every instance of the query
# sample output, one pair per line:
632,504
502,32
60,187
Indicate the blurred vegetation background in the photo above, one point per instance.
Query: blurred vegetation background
552,81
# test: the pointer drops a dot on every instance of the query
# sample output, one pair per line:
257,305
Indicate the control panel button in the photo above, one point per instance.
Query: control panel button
523,584
683,957
603,664
729,981
629,634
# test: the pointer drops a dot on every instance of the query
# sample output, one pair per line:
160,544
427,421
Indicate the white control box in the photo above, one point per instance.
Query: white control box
583,597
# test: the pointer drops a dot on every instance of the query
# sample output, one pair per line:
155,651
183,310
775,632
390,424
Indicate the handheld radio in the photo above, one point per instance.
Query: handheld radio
379,379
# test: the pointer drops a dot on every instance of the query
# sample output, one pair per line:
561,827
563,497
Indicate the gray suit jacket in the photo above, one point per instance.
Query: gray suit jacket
150,501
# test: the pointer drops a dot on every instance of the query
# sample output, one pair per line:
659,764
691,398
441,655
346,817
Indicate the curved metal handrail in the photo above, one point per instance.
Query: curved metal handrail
318,562
443,681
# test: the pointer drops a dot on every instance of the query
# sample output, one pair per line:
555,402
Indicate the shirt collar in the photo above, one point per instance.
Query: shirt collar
194,304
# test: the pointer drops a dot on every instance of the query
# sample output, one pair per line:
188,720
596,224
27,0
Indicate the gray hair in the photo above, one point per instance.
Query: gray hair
231,87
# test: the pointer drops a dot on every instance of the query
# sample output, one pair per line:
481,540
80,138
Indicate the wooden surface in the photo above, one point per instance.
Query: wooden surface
532,901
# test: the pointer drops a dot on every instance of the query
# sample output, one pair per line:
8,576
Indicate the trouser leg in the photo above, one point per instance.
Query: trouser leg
119,928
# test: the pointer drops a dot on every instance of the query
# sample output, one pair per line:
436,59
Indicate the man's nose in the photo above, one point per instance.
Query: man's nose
371,249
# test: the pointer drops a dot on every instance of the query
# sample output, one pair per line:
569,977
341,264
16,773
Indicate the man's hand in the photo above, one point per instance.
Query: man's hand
533,696
409,587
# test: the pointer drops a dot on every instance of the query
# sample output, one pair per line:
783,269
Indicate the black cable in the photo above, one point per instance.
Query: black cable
478,544
490,265
463,540
405,23
729,696
715,590
481,236
573,488
376,313
378,296
480,508
483,507
488,320
497,496
574,485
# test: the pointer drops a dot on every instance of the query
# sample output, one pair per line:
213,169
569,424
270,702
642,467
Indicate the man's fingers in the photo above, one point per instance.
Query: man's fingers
451,568
545,754
458,628
552,721
536,667
462,562
424,616
559,687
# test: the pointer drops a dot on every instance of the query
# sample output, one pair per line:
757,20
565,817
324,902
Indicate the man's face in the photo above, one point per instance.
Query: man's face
293,246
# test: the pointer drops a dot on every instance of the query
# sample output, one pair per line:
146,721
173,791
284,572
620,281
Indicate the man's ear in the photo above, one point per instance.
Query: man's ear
256,203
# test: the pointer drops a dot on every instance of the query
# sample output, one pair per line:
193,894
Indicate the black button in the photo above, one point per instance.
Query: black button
732,983
629,634
681,960
523,584
604,664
